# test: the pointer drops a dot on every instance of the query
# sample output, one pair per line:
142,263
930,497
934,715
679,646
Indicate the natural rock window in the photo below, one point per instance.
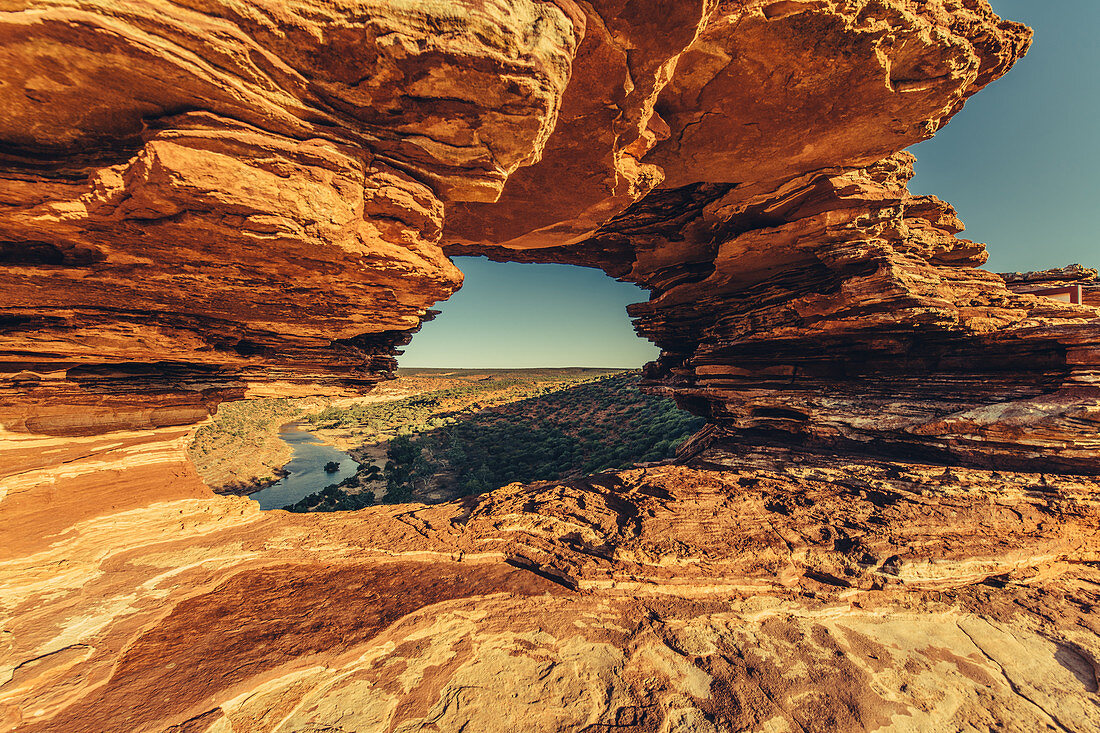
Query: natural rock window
442,433
888,520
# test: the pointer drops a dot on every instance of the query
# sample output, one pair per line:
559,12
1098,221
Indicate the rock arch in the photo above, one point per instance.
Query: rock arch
209,201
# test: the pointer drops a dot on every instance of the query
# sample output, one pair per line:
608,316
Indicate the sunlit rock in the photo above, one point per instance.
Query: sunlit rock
887,524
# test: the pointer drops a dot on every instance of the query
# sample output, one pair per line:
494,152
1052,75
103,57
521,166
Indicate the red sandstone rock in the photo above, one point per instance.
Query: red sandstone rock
241,195
744,92
801,296
205,201
844,597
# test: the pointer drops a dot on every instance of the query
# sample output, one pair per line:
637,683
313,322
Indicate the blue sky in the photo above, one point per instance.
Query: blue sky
513,316
1020,164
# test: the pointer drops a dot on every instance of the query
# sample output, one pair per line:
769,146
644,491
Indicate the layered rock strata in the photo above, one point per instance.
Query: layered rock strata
209,201
271,221
850,318
750,92
222,196
843,314
860,596
802,297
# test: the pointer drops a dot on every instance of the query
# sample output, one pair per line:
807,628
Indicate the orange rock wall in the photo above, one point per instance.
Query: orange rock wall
229,196
802,297
724,597
887,524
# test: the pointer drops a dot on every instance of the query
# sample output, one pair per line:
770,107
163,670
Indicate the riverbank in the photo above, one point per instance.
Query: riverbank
247,488
308,471
239,451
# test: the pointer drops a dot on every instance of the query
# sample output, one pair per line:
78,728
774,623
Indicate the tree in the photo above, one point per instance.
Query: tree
455,455
406,470
370,472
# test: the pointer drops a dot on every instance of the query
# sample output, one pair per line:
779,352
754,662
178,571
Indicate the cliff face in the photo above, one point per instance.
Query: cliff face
226,196
204,202
885,524
850,319
803,298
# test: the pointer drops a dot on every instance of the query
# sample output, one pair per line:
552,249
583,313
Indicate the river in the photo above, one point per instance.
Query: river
307,469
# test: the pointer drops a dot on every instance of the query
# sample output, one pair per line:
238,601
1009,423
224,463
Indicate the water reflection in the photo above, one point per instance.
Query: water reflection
307,469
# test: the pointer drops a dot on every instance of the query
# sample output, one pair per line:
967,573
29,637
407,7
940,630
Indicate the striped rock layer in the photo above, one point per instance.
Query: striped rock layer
889,522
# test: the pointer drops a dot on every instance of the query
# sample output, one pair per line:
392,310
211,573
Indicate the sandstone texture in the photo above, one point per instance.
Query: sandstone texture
1046,281
724,597
801,295
221,195
889,523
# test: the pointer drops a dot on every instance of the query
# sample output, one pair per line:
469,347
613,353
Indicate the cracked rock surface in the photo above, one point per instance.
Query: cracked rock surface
889,523
715,597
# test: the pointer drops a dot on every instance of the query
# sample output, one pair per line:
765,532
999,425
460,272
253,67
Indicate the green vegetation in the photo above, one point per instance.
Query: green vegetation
591,426
406,470
604,424
332,499
439,434
461,393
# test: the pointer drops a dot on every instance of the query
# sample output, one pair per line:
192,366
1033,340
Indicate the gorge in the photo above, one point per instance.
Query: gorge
890,522
312,467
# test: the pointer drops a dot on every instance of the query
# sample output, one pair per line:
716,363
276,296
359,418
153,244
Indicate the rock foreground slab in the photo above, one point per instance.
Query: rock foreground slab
889,523
724,597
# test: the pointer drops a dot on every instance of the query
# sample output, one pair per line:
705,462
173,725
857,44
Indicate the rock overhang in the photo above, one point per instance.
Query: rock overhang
206,201
263,201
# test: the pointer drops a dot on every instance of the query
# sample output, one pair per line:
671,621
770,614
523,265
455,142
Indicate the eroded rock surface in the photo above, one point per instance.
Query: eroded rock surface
235,195
888,524
802,297
719,597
